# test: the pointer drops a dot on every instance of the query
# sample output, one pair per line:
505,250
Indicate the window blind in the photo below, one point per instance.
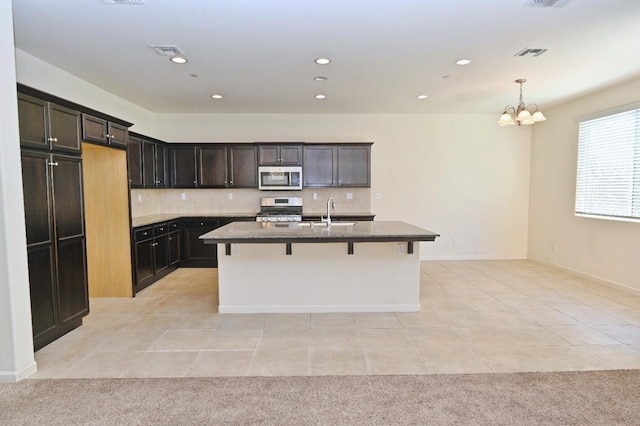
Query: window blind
608,179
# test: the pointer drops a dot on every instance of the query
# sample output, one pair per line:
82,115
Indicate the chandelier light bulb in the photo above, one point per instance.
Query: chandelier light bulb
538,116
522,115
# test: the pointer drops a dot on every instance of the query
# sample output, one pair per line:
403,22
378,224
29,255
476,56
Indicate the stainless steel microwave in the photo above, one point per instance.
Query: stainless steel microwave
280,178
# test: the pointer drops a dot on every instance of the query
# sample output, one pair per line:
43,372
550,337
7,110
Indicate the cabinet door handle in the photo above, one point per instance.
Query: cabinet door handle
170,238
52,139
108,136
52,163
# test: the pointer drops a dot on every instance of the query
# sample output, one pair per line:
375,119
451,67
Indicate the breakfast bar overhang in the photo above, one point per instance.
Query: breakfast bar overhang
318,267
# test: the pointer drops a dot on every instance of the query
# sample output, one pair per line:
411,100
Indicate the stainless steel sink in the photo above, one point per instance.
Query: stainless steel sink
324,224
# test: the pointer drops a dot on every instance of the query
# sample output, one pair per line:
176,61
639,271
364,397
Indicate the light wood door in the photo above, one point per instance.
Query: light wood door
107,222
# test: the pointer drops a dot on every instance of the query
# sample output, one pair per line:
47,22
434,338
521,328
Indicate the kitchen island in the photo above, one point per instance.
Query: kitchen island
318,267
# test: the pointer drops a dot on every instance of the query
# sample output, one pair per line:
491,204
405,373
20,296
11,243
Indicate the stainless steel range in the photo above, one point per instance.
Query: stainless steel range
280,209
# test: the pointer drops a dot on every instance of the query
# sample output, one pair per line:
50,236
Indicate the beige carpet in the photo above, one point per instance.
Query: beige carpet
575,398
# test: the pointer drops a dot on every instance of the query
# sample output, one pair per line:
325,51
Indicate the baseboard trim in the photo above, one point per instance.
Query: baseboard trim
595,278
16,376
472,257
296,309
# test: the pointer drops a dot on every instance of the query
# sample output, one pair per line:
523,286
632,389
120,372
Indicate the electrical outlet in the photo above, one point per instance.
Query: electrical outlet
454,241
183,196
315,196
349,196
553,246
139,198
230,196
400,248
235,248
378,196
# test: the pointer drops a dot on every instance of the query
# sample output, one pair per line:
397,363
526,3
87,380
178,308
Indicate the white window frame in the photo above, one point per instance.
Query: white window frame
608,165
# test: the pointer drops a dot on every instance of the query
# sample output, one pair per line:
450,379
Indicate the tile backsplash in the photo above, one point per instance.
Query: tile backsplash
231,200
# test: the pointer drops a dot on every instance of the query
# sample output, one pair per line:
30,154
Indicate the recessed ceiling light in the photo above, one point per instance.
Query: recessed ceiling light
320,78
323,61
178,60
320,96
216,96
422,97
463,61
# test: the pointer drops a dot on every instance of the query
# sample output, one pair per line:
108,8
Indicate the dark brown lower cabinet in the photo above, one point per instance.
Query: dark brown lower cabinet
160,248
56,245
153,252
197,254
175,249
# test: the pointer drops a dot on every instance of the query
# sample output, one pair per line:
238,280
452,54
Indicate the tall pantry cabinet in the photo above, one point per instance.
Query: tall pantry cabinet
54,216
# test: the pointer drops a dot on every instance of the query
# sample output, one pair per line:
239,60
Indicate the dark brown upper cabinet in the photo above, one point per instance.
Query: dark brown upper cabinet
337,165
103,132
134,161
154,165
214,166
184,167
280,155
319,166
242,169
354,165
148,162
46,125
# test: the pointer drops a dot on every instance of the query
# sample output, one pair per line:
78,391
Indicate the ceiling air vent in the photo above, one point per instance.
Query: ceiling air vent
530,52
167,50
547,3
125,2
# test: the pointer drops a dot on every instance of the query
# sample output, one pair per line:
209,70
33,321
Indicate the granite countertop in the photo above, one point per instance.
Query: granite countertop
156,218
164,217
256,232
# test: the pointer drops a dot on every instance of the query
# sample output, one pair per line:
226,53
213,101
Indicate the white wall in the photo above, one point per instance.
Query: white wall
16,345
459,175
40,75
603,249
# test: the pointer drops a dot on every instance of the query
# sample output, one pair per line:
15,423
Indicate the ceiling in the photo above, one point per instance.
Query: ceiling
259,54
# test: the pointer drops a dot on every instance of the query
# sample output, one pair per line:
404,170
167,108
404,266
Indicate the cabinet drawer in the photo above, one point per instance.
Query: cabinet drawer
160,229
142,233
201,223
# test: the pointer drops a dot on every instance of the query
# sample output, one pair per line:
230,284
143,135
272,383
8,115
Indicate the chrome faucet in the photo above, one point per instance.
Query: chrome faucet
330,205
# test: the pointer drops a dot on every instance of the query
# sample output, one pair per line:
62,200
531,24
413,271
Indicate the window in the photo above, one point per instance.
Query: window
608,181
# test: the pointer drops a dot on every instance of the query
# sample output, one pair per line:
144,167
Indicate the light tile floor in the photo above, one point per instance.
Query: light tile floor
477,317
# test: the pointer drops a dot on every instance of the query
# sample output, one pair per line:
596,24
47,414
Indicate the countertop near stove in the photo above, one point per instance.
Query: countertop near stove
164,217
365,231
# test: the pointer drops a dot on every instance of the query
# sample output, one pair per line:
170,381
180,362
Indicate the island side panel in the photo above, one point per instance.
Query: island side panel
319,277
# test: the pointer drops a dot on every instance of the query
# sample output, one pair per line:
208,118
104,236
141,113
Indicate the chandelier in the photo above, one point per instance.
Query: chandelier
521,115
